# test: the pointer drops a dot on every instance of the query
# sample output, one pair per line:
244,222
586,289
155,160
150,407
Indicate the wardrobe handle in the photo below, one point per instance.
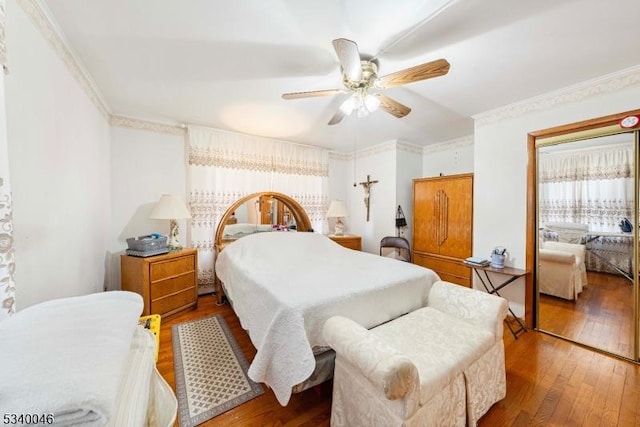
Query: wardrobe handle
444,222
442,219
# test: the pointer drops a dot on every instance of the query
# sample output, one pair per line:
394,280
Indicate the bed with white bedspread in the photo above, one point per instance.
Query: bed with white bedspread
83,361
283,286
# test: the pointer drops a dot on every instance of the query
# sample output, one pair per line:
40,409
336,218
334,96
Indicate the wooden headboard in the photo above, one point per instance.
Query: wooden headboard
303,223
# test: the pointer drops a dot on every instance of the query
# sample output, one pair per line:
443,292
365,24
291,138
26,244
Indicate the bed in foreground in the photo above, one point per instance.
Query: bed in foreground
284,285
82,361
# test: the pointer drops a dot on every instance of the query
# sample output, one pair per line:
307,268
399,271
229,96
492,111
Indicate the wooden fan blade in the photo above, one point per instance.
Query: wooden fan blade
436,68
347,51
392,107
311,94
337,117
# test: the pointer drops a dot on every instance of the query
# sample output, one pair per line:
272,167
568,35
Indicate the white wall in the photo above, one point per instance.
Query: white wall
500,180
408,167
380,164
394,165
144,165
59,164
449,157
339,177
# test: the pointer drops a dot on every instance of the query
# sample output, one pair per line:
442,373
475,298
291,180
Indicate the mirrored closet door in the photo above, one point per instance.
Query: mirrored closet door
586,186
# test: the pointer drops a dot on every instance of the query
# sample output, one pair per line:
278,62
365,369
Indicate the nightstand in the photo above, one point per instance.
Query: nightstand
350,241
167,283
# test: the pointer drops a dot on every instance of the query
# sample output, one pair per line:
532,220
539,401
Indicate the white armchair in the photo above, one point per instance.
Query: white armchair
562,271
441,365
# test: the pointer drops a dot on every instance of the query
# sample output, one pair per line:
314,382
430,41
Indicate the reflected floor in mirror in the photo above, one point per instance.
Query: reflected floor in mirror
601,317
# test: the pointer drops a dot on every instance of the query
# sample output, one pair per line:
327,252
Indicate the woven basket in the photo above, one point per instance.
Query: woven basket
147,243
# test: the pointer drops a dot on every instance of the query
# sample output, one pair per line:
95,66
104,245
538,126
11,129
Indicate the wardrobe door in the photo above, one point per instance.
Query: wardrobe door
425,216
455,200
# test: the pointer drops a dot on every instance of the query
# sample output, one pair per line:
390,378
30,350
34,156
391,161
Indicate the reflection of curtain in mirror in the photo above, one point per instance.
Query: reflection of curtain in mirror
225,166
592,187
7,265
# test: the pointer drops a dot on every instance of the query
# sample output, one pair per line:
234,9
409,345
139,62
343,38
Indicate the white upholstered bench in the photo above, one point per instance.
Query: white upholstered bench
441,365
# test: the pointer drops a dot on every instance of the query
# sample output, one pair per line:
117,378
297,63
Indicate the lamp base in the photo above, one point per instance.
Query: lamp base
173,244
339,228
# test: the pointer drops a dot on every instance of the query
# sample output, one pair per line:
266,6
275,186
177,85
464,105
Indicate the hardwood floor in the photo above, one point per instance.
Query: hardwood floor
550,382
602,316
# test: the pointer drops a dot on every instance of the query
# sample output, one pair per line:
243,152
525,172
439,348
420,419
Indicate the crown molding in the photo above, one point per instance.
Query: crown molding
132,123
338,155
452,144
408,147
629,77
377,149
43,20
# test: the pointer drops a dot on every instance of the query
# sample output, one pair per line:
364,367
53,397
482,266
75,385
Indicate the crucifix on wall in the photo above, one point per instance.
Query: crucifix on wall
367,192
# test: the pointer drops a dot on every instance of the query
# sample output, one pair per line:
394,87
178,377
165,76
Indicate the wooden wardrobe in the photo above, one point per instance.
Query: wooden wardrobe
442,225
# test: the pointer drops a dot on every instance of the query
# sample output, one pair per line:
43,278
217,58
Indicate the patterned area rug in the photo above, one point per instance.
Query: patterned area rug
210,369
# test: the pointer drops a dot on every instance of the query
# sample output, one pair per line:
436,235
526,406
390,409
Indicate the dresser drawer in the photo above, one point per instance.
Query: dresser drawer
170,286
449,269
463,281
166,282
175,302
349,241
171,267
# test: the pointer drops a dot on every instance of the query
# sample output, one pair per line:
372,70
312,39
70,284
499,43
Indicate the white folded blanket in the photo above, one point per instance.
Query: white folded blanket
66,357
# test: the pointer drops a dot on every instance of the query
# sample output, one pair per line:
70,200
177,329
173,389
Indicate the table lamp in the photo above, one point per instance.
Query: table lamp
338,210
171,207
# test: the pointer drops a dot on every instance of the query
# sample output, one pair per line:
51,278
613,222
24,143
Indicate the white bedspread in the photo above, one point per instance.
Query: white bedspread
66,357
285,285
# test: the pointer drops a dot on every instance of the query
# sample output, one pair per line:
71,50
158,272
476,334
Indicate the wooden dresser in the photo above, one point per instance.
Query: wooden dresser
442,225
350,241
167,283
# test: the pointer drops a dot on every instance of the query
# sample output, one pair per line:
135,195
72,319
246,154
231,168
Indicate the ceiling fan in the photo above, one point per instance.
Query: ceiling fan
360,76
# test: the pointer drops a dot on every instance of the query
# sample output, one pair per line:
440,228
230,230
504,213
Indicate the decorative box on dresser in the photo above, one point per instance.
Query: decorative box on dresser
350,241
167,282
442,225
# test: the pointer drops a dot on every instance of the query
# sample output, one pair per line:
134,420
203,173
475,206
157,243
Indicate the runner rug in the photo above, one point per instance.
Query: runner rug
210,370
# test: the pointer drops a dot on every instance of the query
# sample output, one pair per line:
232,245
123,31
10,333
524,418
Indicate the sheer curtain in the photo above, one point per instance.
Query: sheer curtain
7,263
593,187
224,166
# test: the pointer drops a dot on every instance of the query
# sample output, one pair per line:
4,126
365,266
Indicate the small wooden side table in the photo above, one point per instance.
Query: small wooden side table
512,274
350,241
168,283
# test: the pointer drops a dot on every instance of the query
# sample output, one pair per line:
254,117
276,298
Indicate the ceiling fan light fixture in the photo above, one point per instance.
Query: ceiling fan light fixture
350,104
360,102
360,73
371,103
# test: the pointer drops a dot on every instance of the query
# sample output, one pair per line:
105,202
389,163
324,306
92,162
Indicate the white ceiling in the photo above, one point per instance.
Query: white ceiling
225,64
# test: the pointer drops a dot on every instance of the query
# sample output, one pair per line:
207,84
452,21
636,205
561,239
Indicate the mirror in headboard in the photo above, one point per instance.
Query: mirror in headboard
261,209
260,212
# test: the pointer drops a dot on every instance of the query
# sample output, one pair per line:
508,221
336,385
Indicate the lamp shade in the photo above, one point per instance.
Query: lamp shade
337,209
170,207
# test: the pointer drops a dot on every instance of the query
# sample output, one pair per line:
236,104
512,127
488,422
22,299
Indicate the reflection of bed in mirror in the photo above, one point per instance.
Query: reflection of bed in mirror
235,231
283,286
606,251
